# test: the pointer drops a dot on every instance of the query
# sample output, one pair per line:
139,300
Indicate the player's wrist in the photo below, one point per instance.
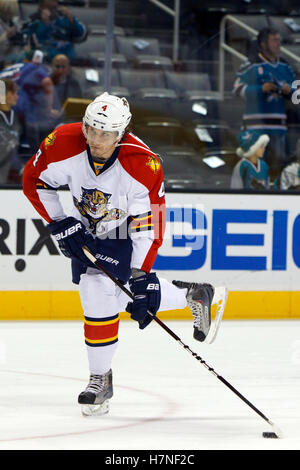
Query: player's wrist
135,272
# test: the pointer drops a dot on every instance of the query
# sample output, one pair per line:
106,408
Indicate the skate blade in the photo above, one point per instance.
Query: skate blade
220,299
95,410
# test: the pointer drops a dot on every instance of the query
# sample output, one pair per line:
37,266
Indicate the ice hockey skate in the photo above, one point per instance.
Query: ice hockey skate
200,298
94,400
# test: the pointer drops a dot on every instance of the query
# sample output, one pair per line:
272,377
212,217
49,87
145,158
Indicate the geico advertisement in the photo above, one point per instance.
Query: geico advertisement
247,242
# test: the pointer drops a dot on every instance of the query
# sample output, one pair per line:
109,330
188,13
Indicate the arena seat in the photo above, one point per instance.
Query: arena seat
184,166
142,51
90,16
97,59
94,91
180,181
213,136
222,159
91,77
158,131
93,44
186,85
100,30
145,83
92,82
179,160
153,62
230,111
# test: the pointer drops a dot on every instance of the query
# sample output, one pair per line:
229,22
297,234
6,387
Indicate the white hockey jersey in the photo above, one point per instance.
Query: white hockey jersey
125,198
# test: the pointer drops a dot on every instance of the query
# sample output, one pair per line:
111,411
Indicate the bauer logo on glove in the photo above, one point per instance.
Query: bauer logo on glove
71,236
153,287
68,231
146,290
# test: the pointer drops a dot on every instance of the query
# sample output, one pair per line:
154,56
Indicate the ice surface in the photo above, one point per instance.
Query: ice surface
163,397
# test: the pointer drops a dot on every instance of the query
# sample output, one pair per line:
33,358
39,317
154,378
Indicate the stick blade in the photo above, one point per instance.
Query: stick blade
220,299
269,435
276,432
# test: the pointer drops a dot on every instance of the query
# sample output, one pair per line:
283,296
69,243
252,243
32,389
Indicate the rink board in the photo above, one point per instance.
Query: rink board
250,243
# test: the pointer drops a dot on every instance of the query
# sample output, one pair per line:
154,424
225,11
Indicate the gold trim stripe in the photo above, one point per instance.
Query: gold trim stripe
65,305
145,225
106,340
101,323
142,218
141,226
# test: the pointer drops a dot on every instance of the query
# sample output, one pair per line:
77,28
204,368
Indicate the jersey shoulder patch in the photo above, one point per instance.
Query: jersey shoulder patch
64,142
139,160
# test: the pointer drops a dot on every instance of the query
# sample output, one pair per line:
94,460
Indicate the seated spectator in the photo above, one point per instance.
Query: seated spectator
9,10
9,132
290,175
54,30
65,83
35,103
251,172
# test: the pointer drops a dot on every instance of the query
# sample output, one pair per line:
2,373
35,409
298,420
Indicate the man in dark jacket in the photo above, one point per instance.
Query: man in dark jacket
65,82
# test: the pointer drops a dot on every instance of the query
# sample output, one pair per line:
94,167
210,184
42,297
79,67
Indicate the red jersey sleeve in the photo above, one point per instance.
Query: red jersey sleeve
146,206
42,174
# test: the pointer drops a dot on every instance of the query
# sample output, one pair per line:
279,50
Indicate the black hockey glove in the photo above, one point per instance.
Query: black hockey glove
71,236
146,291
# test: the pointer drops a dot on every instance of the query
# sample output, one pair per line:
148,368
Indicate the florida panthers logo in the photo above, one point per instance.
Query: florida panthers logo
50,139
153,163
93,206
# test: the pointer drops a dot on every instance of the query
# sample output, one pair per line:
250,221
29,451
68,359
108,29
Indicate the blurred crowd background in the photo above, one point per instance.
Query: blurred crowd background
212,85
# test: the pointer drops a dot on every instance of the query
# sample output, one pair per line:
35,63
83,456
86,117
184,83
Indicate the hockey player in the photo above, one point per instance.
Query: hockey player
119,209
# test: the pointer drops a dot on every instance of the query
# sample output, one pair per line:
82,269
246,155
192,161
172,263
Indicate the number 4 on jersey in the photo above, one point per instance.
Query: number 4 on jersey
161,191
37,156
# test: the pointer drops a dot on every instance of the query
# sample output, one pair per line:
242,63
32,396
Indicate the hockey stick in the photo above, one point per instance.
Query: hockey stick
276,431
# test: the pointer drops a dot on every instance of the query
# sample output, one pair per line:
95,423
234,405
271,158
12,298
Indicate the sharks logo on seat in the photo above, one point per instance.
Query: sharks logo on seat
94,206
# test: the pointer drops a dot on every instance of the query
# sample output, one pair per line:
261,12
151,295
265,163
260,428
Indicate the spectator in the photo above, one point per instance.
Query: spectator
265,83
251,172
54,30
9,10
9,132
290,176
65,83
35,103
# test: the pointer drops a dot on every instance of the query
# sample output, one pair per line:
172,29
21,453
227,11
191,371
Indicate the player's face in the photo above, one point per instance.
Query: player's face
101,143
